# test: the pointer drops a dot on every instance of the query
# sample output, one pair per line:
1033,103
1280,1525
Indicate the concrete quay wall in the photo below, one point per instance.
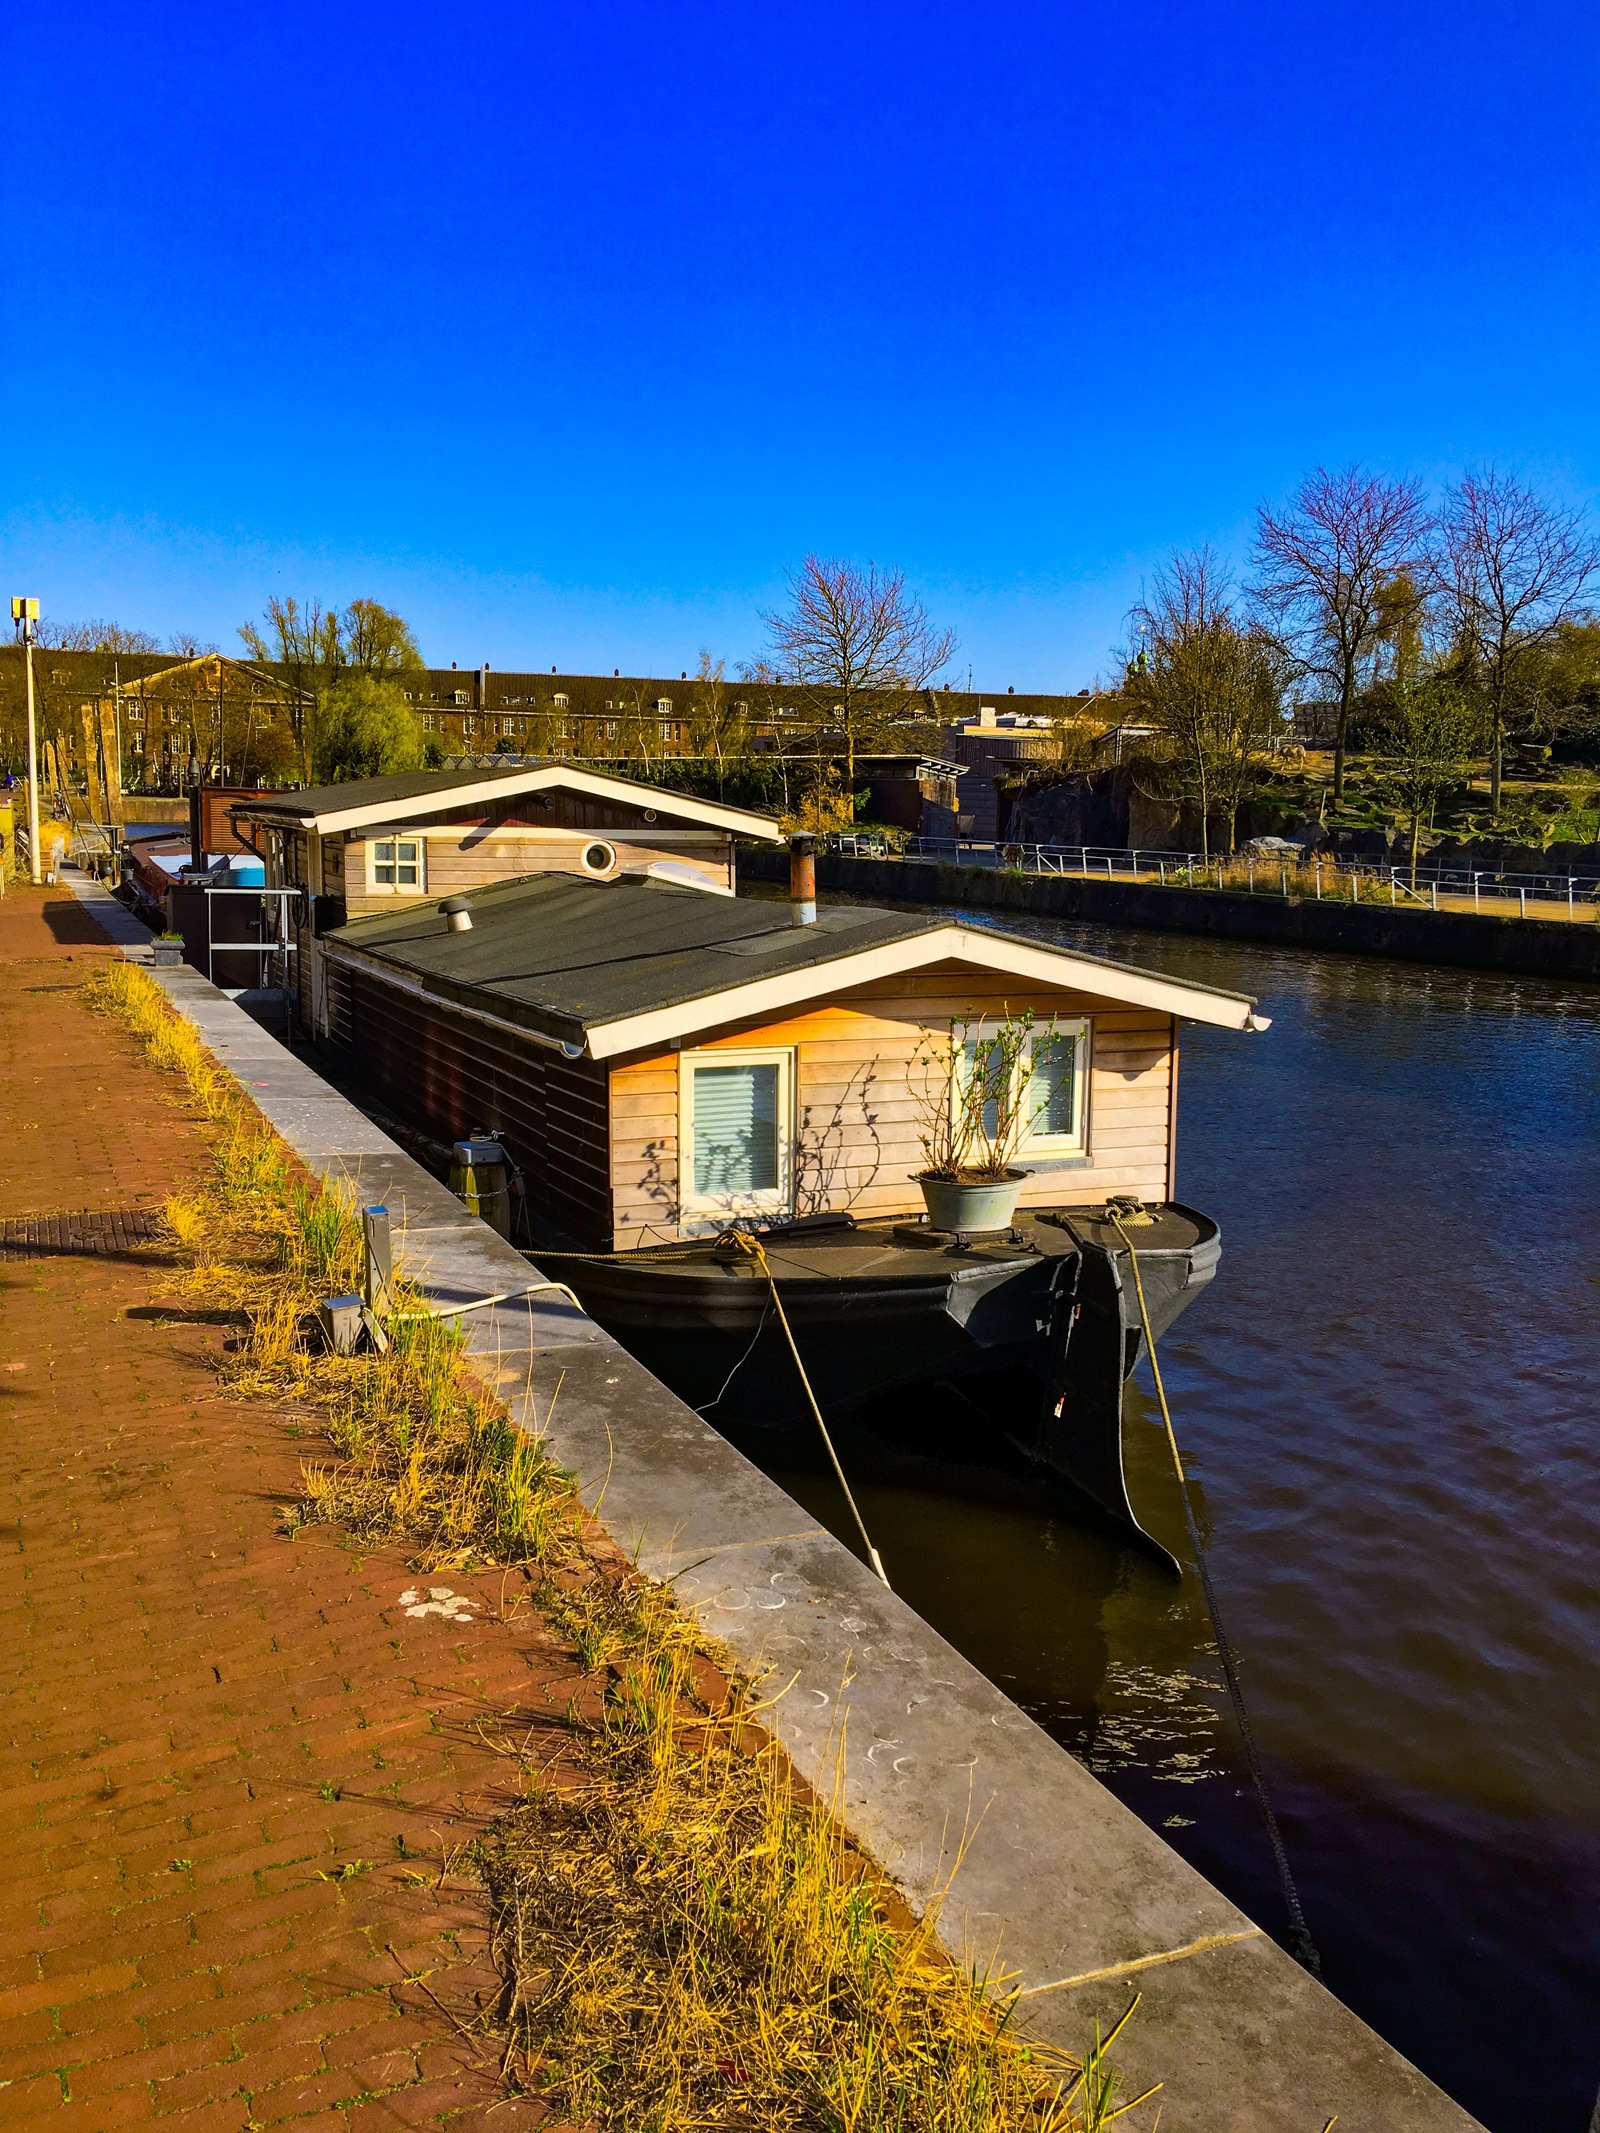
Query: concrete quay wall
1083,1903
1531,947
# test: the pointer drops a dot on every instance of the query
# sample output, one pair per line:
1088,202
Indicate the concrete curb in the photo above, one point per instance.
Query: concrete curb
944,1779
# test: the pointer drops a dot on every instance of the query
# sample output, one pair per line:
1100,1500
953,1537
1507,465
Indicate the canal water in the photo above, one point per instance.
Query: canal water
1390,1397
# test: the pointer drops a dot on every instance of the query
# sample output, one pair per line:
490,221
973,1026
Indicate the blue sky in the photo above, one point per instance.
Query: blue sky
566,330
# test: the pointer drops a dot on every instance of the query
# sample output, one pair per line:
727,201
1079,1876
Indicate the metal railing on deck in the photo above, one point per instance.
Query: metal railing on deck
1320,876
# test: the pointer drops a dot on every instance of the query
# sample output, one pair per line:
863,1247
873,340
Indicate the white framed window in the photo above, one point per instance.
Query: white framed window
1054,1098
735,1131
398,864
1056,1104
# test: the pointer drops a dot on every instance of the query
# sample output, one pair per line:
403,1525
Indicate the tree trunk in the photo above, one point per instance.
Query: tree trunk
1496,759
1341,735
1416,838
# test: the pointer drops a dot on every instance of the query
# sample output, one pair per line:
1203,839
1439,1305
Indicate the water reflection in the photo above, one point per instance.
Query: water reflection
1389,1400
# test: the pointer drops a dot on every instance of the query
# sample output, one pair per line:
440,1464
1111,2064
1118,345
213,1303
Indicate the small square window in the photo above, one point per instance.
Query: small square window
736,1133
397,864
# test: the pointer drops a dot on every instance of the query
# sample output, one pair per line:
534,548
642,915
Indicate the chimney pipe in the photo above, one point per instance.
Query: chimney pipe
197,820
456,912
803,880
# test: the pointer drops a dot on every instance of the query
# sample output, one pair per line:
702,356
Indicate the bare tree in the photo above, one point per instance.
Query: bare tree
1516,570
856,648
1210,684
719,726
108,637
1326,562
1426,734
186,645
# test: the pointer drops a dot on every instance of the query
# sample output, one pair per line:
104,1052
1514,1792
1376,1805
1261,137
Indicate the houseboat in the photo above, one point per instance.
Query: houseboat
382,845
666,1068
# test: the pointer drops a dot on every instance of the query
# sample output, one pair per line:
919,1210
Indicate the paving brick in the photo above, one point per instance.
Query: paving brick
149,1564
30,2102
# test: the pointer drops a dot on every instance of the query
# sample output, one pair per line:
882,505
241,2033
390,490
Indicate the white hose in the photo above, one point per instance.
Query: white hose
482,1303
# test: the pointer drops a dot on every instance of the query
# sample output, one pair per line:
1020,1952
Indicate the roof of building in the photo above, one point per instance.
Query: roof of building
408,795
620,966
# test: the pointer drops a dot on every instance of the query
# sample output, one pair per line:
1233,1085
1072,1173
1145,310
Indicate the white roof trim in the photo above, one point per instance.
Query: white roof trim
735,820
960,944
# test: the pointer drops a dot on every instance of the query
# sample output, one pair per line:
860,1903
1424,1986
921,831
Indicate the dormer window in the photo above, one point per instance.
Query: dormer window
560,702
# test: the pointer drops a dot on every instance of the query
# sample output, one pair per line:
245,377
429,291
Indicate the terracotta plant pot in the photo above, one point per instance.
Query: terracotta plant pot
975,1204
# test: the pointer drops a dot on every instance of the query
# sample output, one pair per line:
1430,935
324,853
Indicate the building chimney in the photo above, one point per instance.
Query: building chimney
803,880
483,686
986,714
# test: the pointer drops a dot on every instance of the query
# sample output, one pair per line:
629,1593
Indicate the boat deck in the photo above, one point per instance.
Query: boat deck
902,1248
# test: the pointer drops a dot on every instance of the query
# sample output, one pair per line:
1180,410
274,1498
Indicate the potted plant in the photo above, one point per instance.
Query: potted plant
973,1102
168,950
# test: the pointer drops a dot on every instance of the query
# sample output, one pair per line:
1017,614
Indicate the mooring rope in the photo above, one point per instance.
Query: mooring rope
1302,1946
752,1245
740,1240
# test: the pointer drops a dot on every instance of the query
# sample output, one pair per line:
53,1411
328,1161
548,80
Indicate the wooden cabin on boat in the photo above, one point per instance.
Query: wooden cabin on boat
415,837
658,1062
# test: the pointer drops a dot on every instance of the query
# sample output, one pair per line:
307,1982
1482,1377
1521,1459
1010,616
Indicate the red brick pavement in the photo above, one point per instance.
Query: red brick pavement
234,1768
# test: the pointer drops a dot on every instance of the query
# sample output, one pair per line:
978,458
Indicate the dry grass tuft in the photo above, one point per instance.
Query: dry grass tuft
686,1939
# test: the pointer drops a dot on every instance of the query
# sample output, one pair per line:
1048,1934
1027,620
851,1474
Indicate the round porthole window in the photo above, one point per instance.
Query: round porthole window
599,858
649,814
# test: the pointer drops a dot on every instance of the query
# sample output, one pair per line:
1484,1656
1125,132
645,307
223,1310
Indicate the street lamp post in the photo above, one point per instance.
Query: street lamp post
25,615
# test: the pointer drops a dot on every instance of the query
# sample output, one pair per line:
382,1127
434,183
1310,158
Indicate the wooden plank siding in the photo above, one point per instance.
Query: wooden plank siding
856,1119
458,860
468,847
450,1076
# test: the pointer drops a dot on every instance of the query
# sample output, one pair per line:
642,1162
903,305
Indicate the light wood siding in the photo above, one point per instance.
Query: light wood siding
449,1076
458,860
856,1118
464,852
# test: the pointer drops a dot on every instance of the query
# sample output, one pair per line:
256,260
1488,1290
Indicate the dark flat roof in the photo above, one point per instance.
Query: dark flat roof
567,956
560,953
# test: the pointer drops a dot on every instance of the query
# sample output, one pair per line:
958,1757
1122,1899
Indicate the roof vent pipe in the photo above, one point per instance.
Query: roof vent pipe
457,913
803,880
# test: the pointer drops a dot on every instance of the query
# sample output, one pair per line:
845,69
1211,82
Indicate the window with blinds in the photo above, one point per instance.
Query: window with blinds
1057,1085
735,1129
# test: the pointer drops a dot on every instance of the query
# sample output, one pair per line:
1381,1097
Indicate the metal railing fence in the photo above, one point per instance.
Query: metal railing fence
1321,876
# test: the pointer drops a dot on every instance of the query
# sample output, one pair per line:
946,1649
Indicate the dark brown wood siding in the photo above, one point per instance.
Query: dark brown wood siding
450,1076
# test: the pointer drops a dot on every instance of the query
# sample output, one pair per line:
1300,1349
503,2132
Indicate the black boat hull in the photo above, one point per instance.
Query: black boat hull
1051,1324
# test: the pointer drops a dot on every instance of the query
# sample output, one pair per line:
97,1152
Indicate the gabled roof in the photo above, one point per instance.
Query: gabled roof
619,966
201,662
411,795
